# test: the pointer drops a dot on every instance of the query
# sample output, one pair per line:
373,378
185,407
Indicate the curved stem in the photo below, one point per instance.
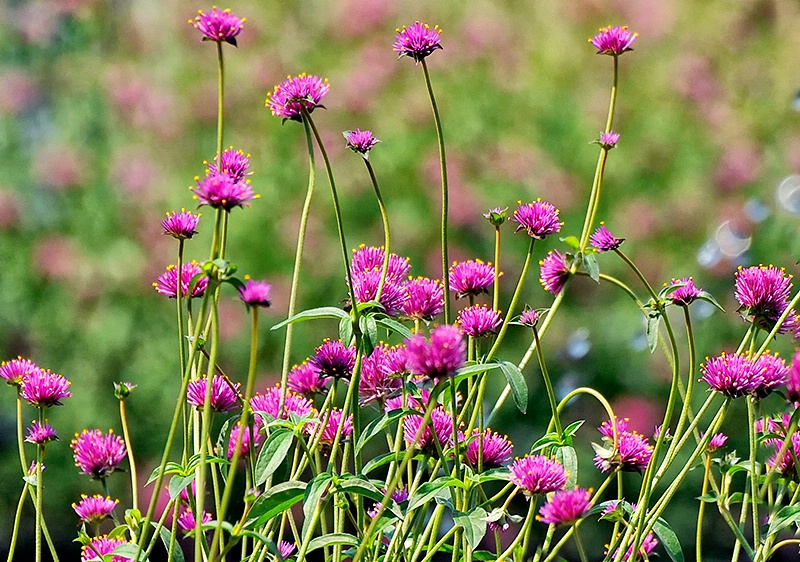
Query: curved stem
123,416
445,196
17,518
387,237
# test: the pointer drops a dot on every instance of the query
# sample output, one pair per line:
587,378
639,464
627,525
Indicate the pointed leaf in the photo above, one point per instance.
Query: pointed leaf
653,320
573,428
331,539
785,517
592,268
394,326
474,524
166,539
272,454
430,490
568,458
378,462
178,483
321,312
572,241
519,388
346,329
377,425
317,488
706,296
369,331
275,501
359,486
669,540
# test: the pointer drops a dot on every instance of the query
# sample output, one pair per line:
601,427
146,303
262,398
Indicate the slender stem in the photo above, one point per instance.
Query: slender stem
445,196
39,492
526,527
298,259
123,416
701,511
496,291
754,470
387,237
17,518
579,544
220,103
551,394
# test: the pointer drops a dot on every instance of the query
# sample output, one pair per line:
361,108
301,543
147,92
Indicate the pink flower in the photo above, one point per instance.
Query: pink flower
94,509
538,474
297,94
417,41
565,507
224,394
44,389
554,271
613,40
96,454
218,25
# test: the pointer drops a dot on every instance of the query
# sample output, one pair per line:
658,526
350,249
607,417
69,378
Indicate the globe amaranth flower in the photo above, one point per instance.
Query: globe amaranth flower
330,423
269,402
15,370
603,241
255,293
286,548
370,258
334,359
221,191
393,295
44,389
181,226
39,434
100,547
538,474
417,41
360,141
441,356
479,321
613,40
399,495
771,372
739,375
188,522
763,293
471,278
685,293
234,163
167,282
565,507
424,298
247,439
293,95
539,219
793,382
633,453
96,454
224,394
379,379
438,431
218,25
488,449
554,272
95,509
784,464
529,317
496,216
717,441
608,140
649,543
305,379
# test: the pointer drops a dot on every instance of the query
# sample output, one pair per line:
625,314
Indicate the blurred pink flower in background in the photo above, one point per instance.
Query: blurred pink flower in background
19,92
59,167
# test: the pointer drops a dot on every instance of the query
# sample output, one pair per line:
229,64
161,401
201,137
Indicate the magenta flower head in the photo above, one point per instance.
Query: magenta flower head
188,522
649,543
608,140
247,442
255,293
479,321
603,241
334,359
218,25
97,455
770,372
94,509
305,379
44,389
224,394
613,40
424,299
763,293
439,430
685,293
554,272
539,219
471,278
488,449
417,41
181,226
538,474
793,384
379,377
370,258
269,402
167,283
718,441
360,141
442,356
632,455
100,547
295,94
17,369
221,191
565,507
40,434
529,317
234,164
393,296
329,426
730,375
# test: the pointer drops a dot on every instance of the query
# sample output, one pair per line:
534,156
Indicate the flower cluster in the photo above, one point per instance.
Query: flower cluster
739,375
631,454
763,294
367,269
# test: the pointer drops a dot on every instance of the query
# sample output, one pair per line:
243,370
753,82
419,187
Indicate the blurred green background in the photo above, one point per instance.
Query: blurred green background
108,109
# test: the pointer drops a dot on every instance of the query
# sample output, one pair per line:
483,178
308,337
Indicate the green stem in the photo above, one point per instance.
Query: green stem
701,511
445,197
496,291
579,544
551,394
526,527
387,237
123,415
17,517
220,103
754,471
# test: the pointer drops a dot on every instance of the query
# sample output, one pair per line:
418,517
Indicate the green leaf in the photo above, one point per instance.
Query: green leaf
377,425
519,388
378,462
346,329
653,321
317,488
331,539
569,460
128,550
592,268
669,540
369,330
359,486
169,468
706,296
178,483
394,326
275,501
572,241
785,517
321,312
474,524
545,441
463,372
573,428
710,497
429,490
272,454
166,539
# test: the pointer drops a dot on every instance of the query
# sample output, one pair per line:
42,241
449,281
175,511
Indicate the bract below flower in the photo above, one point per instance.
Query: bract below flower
417,41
